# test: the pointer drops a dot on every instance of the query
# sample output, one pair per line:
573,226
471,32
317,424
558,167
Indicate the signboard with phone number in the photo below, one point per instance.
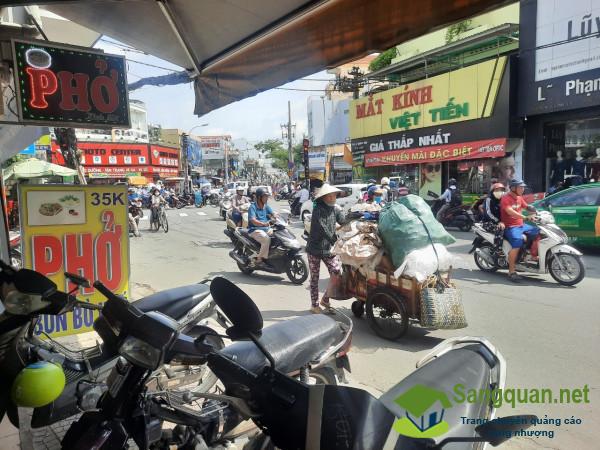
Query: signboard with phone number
78,229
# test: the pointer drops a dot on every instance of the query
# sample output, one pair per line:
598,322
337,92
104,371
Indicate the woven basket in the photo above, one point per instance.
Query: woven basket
441,305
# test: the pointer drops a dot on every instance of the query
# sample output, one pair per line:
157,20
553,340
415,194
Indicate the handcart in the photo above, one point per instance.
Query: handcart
390,303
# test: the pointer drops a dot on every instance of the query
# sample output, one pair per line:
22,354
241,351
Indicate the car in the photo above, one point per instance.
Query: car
351,194
267,188
577,211
240,183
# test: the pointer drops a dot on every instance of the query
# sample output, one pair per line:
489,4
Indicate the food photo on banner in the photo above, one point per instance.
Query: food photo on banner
77,229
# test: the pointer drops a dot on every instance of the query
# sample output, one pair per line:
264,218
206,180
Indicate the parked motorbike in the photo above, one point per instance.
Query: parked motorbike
290,413
214,198
564,262
127,410
285,253
86,370
460,217
16,259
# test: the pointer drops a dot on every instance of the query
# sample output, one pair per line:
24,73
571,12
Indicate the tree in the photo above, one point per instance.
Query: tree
273,148
383,60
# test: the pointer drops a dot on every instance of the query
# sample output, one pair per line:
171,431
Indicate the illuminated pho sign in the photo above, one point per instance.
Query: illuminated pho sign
65,85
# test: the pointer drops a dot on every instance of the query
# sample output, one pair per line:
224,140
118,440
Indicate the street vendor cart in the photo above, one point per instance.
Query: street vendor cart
391,304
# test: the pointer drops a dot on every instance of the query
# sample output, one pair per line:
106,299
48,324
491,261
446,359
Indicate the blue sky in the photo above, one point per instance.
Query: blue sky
255,118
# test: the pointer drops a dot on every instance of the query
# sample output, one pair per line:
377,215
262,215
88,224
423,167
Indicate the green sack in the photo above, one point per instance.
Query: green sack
402,231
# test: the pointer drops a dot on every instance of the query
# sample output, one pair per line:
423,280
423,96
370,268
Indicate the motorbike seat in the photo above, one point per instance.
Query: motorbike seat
176,302
293,344
469,366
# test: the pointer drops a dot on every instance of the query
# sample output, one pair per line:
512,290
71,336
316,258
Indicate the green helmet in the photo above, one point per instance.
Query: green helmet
38,384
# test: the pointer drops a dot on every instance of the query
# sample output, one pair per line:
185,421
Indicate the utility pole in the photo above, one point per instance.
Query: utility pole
288,131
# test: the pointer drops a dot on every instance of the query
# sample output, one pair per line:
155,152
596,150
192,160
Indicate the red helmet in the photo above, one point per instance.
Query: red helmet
497,186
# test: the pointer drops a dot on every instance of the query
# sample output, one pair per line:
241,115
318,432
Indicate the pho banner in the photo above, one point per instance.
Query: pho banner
78,229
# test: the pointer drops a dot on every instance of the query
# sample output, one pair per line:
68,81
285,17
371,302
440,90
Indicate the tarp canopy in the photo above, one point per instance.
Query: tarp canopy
36,168
238,48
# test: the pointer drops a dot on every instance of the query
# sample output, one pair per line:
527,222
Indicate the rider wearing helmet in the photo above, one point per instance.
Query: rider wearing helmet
385,186
259,215
513,212
238,200
449,195
492,213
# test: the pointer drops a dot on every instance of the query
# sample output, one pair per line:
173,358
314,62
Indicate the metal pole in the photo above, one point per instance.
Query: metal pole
289,127
226,164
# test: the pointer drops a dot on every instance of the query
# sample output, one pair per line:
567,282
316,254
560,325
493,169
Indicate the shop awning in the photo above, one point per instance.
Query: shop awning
235,49
36,168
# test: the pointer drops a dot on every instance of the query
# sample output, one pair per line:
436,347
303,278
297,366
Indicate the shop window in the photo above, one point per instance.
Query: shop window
477,176
580,197
409,174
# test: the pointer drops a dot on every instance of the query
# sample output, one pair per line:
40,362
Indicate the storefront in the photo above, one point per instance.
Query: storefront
454,125
559,82
106,163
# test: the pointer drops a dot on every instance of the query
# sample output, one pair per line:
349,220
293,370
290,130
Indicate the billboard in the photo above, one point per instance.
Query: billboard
465,94
79,229
60,85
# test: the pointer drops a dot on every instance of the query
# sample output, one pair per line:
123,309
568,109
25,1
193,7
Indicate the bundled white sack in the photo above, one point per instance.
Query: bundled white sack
359,244
422,263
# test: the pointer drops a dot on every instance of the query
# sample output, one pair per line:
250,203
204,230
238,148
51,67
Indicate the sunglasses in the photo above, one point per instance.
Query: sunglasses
433,168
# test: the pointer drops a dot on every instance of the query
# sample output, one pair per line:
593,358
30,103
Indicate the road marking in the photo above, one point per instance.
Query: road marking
182,215
201,213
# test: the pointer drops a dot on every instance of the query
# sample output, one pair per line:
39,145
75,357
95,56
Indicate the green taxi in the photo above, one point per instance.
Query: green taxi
577,211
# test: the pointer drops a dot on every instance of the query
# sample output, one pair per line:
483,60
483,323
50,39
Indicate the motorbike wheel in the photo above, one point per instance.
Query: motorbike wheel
244,269
387,314
466,226
297,270
575,270
358,308
481,263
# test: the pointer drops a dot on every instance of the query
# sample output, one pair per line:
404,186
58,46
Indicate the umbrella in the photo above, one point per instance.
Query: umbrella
35,168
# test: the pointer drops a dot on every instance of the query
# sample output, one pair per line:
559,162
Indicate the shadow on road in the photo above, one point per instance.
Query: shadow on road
501,278
256,278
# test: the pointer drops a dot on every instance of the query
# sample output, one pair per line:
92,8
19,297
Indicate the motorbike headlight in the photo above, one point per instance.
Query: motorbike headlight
20,303
140,353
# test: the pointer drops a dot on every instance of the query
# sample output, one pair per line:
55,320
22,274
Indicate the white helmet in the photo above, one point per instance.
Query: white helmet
384,181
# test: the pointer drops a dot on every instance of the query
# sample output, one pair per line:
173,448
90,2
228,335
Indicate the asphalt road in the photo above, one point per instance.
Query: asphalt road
548,334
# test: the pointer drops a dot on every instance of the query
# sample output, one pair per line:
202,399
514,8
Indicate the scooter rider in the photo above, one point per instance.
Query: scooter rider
511,206
238,200
492,213
387,192
450,196
258,223
155,201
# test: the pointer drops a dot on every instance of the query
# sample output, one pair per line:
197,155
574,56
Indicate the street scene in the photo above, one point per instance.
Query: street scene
299,225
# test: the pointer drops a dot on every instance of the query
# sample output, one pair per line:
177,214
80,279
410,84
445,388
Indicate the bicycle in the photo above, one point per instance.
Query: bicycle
160,220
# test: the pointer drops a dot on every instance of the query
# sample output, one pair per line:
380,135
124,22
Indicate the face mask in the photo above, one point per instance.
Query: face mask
156,194
378,199
498,194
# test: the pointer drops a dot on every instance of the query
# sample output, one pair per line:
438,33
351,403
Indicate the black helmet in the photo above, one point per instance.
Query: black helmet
260,192
452,182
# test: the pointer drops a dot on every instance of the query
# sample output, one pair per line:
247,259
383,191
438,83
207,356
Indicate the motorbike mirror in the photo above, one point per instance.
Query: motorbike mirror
502,429
34,283
238,307
78,280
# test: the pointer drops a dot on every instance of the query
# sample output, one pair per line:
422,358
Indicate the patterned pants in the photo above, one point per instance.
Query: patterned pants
333,265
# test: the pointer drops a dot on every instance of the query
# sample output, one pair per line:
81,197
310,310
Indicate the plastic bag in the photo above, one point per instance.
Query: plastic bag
422,263
404,226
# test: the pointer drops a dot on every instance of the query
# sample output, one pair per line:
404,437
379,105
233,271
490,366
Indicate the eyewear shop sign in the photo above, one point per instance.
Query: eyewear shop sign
78,229
560,62
465,94
59,84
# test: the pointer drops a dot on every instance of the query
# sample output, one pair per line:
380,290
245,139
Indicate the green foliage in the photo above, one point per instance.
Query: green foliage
273,148
454,31
383,60
13,159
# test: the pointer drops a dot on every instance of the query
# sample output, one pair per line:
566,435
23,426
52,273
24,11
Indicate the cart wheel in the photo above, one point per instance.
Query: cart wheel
358,308
387,313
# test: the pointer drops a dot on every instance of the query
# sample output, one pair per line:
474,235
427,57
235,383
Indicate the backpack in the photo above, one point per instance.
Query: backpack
455,198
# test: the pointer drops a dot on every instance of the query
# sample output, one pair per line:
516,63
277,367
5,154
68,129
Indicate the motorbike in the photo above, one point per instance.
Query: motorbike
86,370
460,217
135,214
16,259
290,413
285,253
562,261
283,196
225,206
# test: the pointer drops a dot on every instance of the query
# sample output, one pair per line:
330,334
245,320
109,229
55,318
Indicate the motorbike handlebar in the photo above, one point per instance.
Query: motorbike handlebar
103,289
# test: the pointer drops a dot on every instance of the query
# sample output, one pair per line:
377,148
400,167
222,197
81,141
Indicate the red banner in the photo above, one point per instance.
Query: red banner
164,156
489,148
122,171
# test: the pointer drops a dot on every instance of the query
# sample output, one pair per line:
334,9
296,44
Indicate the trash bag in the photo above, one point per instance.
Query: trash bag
424,262
404,226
